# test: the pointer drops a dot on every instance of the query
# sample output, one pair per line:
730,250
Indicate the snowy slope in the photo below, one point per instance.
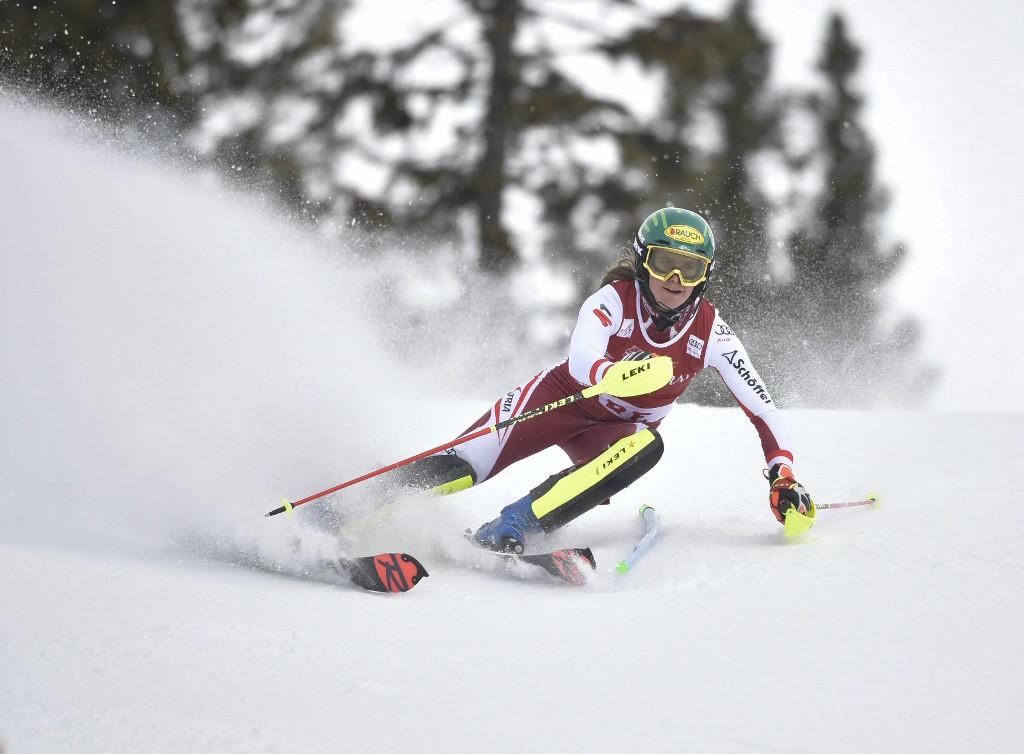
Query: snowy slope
889,630
175,362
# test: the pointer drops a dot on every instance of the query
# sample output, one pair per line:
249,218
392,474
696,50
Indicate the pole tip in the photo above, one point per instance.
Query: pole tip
286,508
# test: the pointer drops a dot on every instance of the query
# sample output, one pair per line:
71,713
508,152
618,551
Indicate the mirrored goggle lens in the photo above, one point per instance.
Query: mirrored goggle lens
663,263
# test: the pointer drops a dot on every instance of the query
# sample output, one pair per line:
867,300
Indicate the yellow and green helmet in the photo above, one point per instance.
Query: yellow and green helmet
674,242
678,229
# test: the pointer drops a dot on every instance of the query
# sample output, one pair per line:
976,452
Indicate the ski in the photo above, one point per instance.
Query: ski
385,572
566,564
569,564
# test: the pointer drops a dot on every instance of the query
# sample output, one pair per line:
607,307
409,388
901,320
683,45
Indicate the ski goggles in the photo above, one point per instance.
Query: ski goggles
663,262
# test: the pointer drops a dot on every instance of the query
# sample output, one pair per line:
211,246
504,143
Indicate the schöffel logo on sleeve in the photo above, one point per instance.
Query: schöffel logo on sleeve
604,316
743,371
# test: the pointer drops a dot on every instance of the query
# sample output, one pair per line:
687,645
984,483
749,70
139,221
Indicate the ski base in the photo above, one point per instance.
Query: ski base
393,572
568,565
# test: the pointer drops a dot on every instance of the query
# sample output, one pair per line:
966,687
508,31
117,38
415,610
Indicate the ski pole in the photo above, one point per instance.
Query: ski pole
870,500
650,518
623,379
797,523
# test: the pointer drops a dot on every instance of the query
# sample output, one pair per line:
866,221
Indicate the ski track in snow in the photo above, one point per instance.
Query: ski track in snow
162,392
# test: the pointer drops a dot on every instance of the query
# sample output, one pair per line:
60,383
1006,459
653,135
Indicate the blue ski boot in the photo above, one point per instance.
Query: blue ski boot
508,532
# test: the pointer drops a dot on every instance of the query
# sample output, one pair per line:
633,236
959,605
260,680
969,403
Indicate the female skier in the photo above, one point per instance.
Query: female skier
651,303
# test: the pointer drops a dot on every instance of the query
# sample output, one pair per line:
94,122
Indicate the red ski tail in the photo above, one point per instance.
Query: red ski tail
386,572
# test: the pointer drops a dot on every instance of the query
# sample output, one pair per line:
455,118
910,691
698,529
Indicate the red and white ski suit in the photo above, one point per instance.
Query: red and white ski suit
614,324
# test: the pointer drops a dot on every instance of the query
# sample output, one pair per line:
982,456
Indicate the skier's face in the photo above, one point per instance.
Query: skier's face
671,292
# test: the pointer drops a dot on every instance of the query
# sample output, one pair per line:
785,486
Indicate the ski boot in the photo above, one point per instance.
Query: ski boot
509,531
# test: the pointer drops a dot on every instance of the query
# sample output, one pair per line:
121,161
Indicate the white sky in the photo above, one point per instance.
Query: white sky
945,102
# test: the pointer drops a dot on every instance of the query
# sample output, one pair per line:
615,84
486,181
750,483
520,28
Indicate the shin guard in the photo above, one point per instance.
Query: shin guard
439,475
573,492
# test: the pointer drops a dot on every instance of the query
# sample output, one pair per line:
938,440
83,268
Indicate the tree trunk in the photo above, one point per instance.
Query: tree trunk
496,252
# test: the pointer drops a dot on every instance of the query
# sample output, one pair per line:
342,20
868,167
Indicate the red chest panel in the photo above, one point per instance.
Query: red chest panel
685,347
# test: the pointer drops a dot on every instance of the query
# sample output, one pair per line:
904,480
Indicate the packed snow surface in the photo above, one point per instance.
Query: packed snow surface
896,629
175,362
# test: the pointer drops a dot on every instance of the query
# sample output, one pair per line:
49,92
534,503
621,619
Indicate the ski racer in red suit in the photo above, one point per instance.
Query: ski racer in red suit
651,303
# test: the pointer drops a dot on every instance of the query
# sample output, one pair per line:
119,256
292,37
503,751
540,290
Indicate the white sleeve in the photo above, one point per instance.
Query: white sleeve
600,317
726,354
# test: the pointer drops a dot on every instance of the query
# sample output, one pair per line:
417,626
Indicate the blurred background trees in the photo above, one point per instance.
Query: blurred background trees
508,149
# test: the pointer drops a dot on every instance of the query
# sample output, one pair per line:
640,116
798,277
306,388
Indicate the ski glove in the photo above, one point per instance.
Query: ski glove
637,356
786,492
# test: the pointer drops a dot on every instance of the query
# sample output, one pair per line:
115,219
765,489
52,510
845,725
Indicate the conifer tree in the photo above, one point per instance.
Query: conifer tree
747,121
479,137
120,61
745,117
833,304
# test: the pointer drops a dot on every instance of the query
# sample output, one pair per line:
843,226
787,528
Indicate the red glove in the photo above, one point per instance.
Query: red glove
786,493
